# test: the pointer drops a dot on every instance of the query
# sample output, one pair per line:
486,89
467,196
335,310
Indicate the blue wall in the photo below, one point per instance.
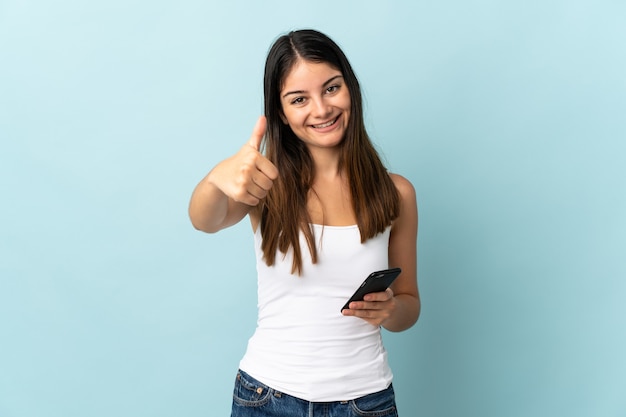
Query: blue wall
508,117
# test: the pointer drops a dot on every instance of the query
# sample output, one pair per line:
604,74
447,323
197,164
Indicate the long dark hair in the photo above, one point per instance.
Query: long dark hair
284,214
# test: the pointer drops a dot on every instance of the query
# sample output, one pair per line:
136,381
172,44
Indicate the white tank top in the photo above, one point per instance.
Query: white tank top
303,346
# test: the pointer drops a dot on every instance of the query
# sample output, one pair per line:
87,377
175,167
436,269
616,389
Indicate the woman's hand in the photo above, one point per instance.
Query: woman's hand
247,176
375,308
233,186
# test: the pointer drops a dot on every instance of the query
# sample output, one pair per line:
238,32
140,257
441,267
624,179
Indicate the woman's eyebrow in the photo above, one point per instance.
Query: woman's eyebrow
323,85
331,80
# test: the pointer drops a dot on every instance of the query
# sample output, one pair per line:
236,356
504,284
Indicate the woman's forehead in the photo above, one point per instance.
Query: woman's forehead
309,72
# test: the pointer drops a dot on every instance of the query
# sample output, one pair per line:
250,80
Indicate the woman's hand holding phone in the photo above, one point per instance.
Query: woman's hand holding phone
375,308
373,301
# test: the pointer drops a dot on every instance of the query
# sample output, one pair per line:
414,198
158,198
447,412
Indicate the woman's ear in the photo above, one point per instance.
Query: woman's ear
283,118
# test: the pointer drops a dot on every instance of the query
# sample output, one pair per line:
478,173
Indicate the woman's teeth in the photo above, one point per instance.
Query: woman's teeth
325,124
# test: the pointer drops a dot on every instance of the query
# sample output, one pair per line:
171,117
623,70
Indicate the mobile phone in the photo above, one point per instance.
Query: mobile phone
376,282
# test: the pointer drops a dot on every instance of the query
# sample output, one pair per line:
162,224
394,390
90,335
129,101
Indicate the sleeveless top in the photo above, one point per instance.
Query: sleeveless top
303,346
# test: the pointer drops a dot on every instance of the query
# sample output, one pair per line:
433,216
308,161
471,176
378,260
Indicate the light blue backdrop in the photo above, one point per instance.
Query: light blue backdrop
508,117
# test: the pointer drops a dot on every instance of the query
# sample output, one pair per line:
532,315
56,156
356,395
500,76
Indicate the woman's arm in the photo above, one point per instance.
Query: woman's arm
403,254
398,308
233,187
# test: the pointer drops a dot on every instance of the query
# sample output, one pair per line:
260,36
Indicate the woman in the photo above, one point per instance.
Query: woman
325,214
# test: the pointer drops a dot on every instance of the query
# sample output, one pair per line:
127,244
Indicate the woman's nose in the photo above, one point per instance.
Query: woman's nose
321,108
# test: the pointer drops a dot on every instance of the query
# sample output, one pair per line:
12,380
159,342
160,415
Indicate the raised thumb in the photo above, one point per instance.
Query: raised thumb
257,133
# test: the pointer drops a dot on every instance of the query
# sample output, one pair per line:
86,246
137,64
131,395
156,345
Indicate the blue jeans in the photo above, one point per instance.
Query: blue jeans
252,398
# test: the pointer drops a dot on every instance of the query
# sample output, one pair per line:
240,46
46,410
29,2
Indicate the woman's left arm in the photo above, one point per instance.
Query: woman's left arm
398,308
403,254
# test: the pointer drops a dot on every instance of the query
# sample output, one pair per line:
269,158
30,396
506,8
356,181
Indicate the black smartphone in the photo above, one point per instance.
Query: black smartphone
376,282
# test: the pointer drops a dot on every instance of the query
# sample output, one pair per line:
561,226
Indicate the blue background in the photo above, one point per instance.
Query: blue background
507,116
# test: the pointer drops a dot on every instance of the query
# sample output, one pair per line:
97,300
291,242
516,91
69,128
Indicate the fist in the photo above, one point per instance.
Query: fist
247,176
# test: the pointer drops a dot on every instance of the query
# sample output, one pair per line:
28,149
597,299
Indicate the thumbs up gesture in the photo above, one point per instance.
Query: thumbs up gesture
247,176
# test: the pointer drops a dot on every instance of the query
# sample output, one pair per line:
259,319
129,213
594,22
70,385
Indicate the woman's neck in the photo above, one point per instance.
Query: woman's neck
329,201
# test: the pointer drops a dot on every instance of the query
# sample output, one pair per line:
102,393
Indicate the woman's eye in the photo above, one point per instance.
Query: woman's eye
332,89
298,100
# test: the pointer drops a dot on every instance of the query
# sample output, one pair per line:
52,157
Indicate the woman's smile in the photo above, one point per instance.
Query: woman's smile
325,125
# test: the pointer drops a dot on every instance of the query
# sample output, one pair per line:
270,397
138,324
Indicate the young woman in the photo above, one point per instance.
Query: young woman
325,213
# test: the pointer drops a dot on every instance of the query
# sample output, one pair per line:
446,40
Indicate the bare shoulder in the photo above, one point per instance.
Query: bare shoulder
404,186
407,218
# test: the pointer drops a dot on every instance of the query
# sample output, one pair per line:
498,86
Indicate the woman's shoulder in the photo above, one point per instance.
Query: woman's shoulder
404,186
406,222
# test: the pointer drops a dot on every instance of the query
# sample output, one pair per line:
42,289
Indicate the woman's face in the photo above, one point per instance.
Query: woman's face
316,103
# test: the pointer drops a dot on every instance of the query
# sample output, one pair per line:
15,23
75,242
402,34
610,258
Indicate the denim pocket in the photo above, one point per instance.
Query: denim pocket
379,404
249,392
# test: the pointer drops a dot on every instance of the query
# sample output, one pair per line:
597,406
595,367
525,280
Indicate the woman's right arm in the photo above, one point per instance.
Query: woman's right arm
233,187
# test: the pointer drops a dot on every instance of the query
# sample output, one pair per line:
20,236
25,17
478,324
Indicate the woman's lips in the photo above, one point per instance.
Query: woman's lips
327,124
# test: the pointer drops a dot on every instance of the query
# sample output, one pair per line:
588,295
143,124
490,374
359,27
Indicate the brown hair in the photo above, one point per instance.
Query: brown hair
284,214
